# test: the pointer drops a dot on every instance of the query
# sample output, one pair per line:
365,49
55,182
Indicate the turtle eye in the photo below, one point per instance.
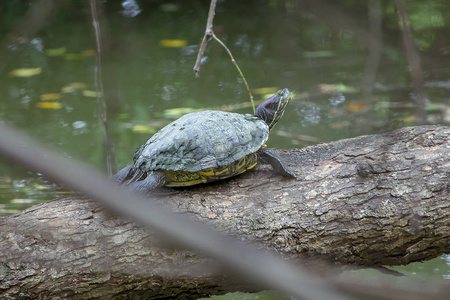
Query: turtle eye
281,93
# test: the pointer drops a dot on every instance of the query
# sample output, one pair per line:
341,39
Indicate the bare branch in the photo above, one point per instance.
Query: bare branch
239,69
100,95
210,33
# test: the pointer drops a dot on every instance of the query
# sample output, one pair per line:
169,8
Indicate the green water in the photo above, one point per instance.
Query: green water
320,53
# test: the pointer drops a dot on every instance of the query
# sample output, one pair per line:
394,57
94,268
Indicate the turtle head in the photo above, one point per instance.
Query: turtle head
272,109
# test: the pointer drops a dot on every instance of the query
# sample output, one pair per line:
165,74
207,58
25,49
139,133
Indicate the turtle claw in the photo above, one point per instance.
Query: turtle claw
270,157
292,173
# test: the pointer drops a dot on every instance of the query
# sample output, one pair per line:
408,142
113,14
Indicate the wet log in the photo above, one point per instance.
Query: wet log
368,201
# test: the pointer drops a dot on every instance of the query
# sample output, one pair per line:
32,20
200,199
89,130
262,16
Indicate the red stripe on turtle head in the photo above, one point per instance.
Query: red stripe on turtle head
268,103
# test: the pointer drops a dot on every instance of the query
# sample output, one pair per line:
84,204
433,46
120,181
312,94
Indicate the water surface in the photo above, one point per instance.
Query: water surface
346,63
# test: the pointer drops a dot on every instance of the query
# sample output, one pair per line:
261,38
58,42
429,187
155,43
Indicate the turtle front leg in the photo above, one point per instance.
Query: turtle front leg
267,156
153,180
122,175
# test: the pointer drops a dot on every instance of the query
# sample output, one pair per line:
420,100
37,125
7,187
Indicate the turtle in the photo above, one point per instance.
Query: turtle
205,146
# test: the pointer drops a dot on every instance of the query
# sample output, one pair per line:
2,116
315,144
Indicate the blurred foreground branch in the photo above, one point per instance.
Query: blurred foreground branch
369,201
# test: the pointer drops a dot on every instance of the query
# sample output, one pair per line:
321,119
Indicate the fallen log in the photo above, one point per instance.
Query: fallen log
369,201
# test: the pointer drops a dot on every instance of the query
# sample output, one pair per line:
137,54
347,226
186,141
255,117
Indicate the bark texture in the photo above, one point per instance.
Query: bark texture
372,200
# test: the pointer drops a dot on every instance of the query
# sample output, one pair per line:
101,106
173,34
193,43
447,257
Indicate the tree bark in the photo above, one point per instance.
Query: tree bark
369,201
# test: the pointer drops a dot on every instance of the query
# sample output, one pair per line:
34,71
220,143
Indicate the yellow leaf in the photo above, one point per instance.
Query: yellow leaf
409,119
79,85
56,51
50,97
92,94
68,89
173,43
72,87
265,90
143,129
86,53
357,106
177,112
25,72
49,105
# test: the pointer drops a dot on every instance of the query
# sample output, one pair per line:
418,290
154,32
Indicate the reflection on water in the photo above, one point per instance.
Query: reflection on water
19,194
346,63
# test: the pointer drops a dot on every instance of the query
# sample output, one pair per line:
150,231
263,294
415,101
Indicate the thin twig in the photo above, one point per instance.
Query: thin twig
412,55
237,67
210,33
375,48
101,105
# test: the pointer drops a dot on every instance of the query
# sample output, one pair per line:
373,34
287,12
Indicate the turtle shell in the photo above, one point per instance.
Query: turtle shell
202,140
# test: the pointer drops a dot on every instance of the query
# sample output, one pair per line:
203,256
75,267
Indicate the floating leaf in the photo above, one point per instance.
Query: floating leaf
434,107
143,129
173,43
49,105
318,54
294,136
22,201
91,94
265,90
25,72
72,87
335,88
409,119
9,211
123,116
169,7
87,53
340,125
56,51
41,187
73,56
346,88
357,106
68,89
50,97
177,112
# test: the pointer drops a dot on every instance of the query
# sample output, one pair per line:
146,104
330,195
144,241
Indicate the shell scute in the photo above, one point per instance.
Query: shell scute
202,140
